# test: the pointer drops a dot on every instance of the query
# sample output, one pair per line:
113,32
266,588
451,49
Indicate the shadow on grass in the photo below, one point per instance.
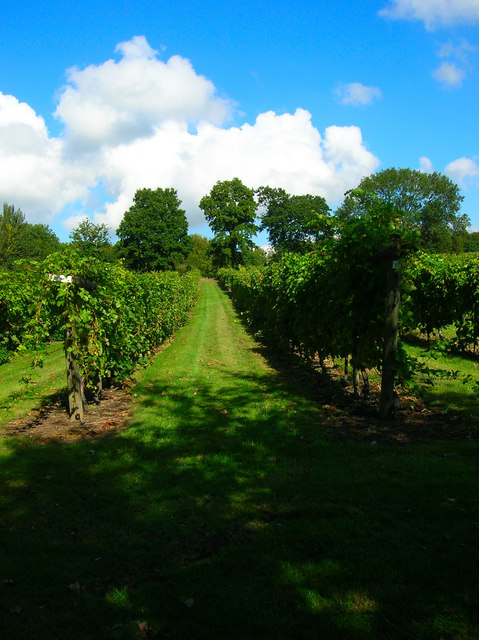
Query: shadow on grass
225,513
426,345
457,402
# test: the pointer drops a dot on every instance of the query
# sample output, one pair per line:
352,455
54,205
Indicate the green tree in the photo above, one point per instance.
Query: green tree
94,239
89,234
12,235
471,241
200,256
255,257
287,219
154,231
230,209
425,202
21,240
441,240
39,241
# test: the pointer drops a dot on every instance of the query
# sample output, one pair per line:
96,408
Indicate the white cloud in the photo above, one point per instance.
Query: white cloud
434,13
137,47
356,94
463,170
128,126
73,221
117,101
425,164
32,174
452,73
449,74
278,150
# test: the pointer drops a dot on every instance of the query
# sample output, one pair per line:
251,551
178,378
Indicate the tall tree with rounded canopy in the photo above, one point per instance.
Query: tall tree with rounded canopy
93,238
154,231
90,234
12,235
424,202
230,209
287,219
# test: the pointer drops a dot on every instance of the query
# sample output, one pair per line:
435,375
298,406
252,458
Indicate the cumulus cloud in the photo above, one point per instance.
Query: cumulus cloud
278,150
32,173
434,13
449,74
117,101
141,122
356,94
425,164
452,72
463,170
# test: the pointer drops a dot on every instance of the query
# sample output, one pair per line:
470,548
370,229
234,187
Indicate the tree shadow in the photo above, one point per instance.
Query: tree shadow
228,513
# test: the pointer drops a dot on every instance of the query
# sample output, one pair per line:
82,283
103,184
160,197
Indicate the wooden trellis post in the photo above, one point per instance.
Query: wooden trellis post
75,381
388,402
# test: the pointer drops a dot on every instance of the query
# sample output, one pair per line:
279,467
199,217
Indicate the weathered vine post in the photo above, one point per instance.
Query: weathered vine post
76,399
388,402
74,378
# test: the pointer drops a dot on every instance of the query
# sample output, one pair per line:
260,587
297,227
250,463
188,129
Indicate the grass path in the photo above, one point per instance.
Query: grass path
227,511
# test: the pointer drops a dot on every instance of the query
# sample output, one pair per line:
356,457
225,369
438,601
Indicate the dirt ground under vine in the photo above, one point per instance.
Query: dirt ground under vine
53,422
347,417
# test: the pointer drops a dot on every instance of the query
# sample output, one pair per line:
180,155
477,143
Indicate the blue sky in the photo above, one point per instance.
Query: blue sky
98,99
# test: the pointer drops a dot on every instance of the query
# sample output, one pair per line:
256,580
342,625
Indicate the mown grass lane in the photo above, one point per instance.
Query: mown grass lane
227,510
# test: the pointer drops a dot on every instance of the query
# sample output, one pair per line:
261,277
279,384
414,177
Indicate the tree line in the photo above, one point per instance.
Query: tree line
427,205
153,234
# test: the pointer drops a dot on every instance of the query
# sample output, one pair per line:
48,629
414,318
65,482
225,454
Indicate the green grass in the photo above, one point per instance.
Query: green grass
17,398
450,393
228,511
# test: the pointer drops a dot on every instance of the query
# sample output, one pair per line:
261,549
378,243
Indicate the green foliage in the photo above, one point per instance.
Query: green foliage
92,238
230,209
19,294
116,317
467,242
329,302
4,355
22,240
200,256
12,223
288,219
39,242
90,235
154,231
255,257
427,202
444,290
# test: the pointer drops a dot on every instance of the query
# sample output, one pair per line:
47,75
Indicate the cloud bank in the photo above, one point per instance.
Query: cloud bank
139,121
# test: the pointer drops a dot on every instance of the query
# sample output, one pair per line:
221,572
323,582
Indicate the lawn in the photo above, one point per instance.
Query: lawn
228,510
18,398
456,392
